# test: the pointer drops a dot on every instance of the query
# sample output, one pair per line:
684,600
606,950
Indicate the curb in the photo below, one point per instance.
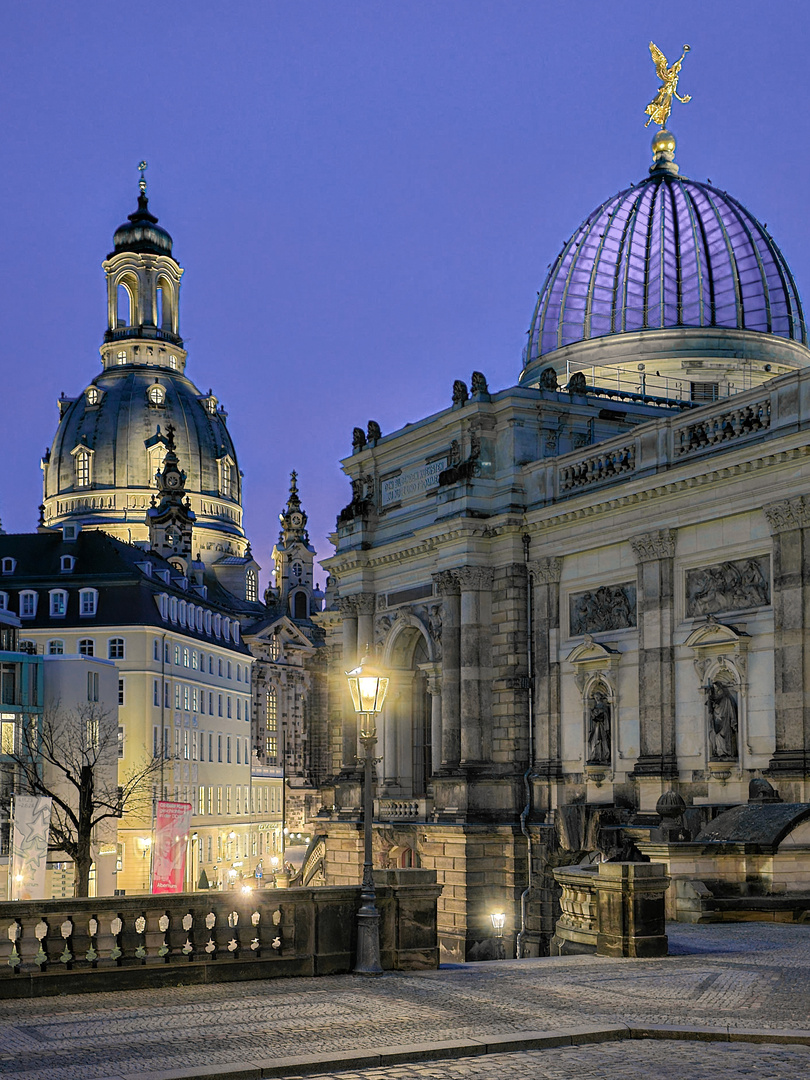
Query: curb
313,1064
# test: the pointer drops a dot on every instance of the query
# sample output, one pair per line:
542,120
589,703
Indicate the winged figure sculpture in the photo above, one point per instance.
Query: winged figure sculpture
661,105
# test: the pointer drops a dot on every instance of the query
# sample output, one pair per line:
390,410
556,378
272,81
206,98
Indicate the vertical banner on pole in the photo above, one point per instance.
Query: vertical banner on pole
29,847
172,824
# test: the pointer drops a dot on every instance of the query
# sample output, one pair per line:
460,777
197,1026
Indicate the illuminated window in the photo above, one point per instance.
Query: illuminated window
8,733
173,362
82,469
121,357
92,396
272,749
157,395
272,708
251,585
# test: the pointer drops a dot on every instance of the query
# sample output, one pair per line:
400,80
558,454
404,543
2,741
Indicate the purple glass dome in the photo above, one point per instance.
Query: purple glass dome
667,252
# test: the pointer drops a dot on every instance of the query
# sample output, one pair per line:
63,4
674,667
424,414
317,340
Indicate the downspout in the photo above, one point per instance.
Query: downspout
524,896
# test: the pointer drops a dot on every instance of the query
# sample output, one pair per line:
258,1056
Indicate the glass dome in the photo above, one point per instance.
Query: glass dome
667,252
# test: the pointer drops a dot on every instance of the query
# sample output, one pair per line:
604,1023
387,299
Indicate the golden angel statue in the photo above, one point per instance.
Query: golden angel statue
661,105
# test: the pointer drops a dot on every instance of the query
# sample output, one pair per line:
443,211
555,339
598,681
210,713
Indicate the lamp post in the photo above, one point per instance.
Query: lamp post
368,687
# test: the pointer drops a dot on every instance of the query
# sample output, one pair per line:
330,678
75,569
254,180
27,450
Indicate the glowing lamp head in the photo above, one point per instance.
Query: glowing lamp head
368,687
498,919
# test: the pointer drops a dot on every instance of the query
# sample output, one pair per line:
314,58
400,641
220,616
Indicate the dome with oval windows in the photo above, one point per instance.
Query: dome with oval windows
679,265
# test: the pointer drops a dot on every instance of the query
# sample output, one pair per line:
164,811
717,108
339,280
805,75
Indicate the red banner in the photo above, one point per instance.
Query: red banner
172,824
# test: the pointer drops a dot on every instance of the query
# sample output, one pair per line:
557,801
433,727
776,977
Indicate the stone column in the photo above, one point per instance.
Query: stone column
348,611
545,579
655,553
450,593
790,525
434,688
475,583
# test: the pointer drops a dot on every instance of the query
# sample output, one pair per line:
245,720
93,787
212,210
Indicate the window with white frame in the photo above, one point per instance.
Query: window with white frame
9,565
56,647
58,599
28,604
88,602
115,648
66,563
87,647
121,357
92,395
82,463
120,741
121,692
251,585
3,601
92,687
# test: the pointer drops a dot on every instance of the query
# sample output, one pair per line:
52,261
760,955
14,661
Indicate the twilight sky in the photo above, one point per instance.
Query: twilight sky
365,194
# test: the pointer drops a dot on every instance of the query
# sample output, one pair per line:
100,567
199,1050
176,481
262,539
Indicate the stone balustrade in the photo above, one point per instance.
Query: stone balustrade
64,946
723,426
604,465
402,809
613,909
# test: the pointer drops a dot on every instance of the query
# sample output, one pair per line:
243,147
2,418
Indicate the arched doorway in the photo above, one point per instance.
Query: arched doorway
407,750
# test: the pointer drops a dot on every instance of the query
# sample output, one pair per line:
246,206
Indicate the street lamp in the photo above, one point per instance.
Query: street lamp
498,919
368,688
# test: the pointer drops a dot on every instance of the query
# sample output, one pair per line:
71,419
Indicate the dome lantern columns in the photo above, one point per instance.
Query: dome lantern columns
143,294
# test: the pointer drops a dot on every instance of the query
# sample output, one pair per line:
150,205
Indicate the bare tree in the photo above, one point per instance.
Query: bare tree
71,756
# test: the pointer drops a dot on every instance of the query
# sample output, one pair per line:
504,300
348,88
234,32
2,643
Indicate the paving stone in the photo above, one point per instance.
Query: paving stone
733,981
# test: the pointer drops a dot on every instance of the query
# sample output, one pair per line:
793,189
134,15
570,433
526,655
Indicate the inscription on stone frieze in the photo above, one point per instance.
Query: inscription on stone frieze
728,586
412,482
610,607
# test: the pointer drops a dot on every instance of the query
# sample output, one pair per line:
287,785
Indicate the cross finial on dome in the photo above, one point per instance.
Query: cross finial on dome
142,165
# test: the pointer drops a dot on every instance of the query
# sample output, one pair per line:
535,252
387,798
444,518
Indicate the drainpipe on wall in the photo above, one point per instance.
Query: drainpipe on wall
524,896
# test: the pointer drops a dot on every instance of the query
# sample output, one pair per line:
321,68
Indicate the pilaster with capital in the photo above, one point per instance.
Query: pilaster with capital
544,574
448,588
655,555
349,754
475,663
433,685
789,522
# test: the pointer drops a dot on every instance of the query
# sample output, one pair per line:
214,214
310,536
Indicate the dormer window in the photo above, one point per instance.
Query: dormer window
121,357
70,533
3,601
28,604
83,466
210,404
225,473
58,603
9,566
92,396
157,395
88,602
67,562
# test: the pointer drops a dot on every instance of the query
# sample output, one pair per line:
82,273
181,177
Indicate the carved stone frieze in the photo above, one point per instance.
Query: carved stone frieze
347,606
728,586
545,571
788,514
659,544
610,607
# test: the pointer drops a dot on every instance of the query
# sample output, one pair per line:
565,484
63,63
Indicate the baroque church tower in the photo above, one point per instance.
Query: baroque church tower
105,464
293,559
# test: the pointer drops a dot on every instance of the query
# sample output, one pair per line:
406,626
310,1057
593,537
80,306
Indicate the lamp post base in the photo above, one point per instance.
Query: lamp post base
368,939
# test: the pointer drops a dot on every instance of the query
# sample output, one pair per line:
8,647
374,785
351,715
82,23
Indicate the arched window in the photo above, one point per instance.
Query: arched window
127,301
251,585
87,647
226,477
297,571
115,648
82,469
164,316
300,605
157,395
56,647
92,395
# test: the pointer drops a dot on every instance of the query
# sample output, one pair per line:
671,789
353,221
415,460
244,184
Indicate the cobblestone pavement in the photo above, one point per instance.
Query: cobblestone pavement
641,1059
736,976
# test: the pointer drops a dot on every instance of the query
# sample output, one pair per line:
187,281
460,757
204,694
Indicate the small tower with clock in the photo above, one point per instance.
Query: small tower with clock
293,558
170,518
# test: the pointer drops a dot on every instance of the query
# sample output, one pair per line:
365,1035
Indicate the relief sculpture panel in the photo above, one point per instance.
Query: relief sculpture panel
610,607
728,586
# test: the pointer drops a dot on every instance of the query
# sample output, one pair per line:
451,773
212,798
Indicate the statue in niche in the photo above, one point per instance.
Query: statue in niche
721,701
598,727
